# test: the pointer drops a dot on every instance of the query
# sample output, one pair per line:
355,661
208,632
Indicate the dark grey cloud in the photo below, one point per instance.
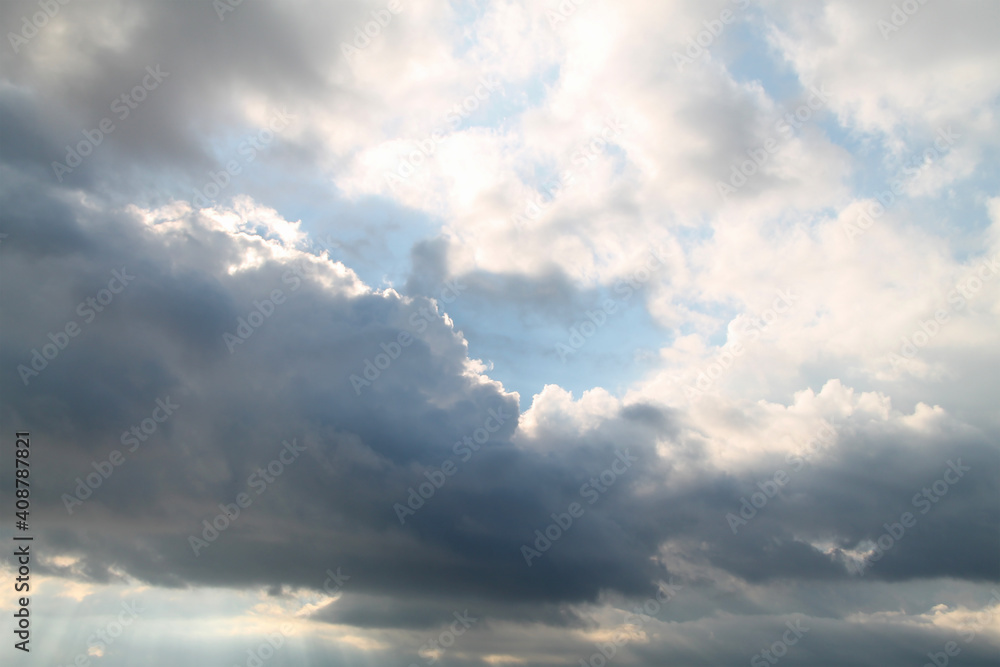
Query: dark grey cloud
261,50
163,337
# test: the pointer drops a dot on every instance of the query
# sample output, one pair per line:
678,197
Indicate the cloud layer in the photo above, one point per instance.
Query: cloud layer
509,333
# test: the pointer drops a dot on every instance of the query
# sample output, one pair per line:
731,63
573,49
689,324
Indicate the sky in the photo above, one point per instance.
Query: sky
500,333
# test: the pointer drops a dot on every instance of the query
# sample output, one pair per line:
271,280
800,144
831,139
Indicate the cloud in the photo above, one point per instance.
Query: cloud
793,420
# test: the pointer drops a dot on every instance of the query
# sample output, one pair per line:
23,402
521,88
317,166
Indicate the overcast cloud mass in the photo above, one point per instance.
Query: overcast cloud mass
502,333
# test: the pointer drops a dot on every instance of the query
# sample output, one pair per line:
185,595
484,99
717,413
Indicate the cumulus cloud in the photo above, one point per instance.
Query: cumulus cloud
358,353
